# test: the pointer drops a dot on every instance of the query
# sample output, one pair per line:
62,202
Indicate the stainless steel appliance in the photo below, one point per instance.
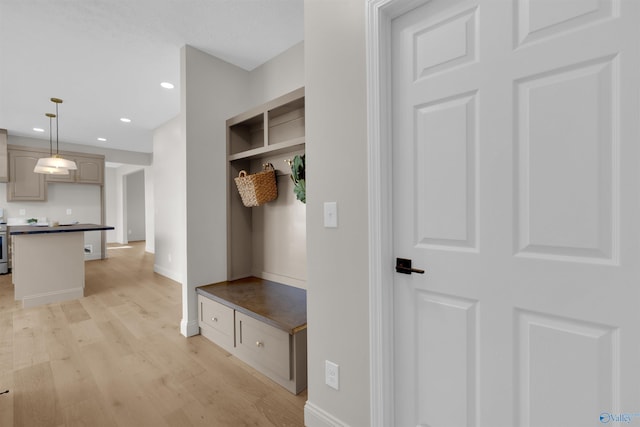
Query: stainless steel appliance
4,252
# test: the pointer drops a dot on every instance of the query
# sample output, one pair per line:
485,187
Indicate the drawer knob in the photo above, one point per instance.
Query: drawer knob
215,319
259,344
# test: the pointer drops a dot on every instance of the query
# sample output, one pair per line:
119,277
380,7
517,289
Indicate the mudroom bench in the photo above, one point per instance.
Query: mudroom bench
262,323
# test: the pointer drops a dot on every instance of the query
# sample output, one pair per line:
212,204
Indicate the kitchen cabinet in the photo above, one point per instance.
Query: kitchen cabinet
4,156
90,170
24,183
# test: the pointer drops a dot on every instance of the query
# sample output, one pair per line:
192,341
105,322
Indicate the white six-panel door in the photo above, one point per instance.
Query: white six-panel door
516,186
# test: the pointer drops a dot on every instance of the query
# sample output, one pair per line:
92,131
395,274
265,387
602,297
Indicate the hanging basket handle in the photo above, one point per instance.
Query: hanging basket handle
242,173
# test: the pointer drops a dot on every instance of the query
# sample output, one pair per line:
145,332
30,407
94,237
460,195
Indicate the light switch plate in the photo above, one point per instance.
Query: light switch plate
331,214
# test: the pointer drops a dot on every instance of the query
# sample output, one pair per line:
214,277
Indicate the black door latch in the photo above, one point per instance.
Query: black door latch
403,265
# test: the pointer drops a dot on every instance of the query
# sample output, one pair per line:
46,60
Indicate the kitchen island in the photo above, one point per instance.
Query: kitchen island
48,262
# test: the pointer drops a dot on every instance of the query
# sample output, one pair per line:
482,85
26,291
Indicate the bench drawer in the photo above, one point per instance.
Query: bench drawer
263,345
217,321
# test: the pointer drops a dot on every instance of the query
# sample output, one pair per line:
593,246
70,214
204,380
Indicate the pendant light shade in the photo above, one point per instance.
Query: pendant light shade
50,170
57,162
54,164
44,165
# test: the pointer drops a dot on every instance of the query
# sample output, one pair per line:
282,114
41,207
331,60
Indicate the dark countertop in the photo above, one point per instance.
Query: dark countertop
35,229
278,305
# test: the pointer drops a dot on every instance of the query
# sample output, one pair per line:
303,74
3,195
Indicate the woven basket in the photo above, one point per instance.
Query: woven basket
258,188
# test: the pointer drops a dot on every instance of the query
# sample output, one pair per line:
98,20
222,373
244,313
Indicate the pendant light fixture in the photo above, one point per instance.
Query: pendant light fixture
54,164
48,169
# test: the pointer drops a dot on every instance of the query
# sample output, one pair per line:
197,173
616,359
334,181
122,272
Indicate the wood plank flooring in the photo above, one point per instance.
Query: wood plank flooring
116,358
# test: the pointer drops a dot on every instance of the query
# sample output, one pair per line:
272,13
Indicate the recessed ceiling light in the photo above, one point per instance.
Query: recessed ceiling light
38,129
102,139
125,120
167,85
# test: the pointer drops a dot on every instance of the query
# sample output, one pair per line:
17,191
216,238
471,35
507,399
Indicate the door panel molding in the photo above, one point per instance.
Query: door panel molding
577,349
541,20
590,91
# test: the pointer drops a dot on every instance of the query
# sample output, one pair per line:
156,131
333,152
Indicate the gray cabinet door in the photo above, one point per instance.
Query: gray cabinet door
90,170
24,183
4,161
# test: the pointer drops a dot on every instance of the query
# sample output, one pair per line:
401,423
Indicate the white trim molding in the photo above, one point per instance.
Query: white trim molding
379,16
171,274
316,417
189,328
380,299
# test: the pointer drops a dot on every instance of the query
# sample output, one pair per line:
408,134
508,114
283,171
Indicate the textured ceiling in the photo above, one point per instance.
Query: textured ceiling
106,59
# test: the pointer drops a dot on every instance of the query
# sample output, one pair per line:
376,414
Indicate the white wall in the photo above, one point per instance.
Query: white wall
169,212
110,203
149,209
135,204
278,76
336,131
115,203
212,91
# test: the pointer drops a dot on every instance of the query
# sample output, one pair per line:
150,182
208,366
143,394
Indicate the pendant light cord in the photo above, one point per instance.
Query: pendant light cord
51,116
57,101
57,128
50,136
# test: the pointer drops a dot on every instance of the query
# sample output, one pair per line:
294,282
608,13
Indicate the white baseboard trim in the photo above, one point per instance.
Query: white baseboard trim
189,328
316,417
51,297
291,281
173,275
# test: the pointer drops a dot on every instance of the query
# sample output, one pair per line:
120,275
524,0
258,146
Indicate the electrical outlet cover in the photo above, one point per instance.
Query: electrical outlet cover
332,374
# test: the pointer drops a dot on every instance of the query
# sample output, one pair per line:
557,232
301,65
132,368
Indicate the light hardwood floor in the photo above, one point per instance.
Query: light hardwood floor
116,358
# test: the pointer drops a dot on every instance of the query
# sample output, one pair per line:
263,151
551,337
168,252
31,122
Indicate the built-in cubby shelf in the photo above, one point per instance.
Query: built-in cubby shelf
248,137
267,241
272,149
266,250
247,134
